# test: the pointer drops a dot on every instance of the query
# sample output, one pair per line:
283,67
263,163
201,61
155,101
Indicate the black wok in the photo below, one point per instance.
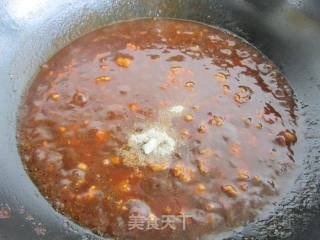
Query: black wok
31,31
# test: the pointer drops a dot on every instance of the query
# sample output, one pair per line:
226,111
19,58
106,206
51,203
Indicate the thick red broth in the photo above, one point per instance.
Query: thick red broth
158,129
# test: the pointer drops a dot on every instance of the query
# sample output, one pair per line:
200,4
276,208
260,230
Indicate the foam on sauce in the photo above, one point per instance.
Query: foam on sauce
154,118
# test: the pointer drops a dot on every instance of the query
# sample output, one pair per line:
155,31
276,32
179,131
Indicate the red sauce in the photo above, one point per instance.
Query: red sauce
233,130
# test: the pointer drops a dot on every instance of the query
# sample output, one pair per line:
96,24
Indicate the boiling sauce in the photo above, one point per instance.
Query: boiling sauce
226,110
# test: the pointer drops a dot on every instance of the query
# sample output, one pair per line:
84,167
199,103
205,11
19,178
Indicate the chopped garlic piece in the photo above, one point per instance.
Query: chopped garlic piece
150,146
153,141
176,109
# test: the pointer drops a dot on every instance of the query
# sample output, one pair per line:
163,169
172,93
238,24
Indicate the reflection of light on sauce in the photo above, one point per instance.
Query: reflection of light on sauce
25,9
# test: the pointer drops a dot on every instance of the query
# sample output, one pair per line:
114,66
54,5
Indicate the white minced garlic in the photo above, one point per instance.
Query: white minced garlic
153,141
151,146
176,109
